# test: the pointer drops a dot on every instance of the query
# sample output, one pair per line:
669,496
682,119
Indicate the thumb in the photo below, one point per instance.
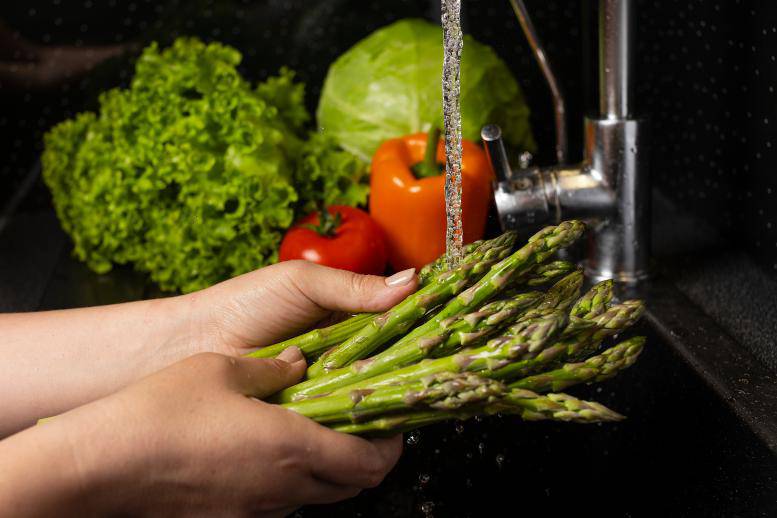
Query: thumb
341,290
262,377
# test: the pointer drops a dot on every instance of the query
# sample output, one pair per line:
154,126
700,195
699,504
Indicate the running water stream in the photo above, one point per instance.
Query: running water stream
452,45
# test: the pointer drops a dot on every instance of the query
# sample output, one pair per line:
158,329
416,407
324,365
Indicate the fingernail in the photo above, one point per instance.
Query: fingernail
290,355
400,278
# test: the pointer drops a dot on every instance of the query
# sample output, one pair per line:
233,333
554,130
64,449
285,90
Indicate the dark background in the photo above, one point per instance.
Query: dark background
706,76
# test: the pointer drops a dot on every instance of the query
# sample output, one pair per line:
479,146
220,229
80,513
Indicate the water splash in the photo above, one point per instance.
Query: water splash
452,45
427,508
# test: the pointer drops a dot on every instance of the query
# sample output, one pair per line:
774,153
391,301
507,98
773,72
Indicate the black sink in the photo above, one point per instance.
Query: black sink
700,438
681,452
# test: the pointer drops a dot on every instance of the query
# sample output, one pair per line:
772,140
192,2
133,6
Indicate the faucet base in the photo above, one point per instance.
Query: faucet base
619,243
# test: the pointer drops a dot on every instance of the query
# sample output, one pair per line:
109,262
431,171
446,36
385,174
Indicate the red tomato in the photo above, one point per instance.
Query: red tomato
356,243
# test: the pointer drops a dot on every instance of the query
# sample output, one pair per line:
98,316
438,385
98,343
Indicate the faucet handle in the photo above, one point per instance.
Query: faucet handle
496,152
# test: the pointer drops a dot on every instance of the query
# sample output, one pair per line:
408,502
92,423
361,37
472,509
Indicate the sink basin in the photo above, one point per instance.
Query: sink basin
681,452
700,438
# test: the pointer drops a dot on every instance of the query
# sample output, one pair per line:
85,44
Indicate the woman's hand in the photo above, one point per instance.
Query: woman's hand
189,440
274,303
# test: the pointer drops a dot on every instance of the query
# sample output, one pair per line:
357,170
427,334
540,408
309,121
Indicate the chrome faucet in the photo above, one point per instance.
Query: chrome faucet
609,189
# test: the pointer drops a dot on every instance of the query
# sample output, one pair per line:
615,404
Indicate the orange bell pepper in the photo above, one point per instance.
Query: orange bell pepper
411,209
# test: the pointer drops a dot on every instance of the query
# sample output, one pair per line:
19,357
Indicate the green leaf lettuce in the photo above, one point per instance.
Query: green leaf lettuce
191,174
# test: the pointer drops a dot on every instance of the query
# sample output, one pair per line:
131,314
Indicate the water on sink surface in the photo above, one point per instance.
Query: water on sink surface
681,452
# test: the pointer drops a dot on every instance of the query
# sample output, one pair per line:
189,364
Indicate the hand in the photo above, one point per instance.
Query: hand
187,440
274,303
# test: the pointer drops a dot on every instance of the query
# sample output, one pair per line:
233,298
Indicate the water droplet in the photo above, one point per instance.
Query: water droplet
427,508
413,438
459,427
482,448
424,478
500,460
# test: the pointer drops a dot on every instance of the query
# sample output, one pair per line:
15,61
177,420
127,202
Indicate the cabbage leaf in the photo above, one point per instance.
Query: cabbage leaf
389,85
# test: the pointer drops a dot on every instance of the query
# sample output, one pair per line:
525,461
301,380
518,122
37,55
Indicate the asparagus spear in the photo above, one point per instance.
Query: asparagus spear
614,320
560,296
540,246
417,344
597,368
450,335
401,317
545,274
527,360
523,403
439,265
524,339
317,340
443,391
590,306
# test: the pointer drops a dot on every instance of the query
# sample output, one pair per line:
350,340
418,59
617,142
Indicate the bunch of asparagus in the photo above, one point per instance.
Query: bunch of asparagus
477,339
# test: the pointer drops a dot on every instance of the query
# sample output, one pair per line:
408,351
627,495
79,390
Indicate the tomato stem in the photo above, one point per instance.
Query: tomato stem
327,224
429,166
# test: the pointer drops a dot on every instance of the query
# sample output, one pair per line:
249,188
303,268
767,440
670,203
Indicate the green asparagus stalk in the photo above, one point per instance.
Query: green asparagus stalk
574,348
540,246
523,403
524,339
419,343
597,368
316,341
561,295
381,328
449,335
545,274
443,392
439,265
591,305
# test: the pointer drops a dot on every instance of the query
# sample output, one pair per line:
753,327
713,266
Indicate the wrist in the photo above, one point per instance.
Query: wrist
177,327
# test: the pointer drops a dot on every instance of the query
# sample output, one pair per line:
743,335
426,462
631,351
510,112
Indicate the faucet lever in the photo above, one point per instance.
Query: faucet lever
496,152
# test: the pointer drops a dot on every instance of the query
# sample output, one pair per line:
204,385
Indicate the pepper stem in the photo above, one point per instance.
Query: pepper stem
429,166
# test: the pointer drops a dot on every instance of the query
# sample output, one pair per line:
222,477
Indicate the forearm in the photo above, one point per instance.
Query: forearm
40,476
53,361
83,463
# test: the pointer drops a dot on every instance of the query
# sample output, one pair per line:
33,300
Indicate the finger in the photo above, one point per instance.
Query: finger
341,290
390,448
348,460
262,377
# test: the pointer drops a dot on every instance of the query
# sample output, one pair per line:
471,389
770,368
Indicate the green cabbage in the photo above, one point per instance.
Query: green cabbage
191,174
389,84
